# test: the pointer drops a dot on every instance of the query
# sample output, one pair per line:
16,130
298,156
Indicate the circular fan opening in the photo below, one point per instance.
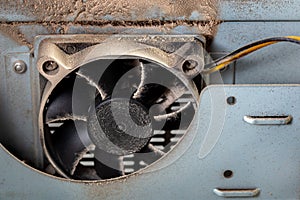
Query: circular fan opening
111,118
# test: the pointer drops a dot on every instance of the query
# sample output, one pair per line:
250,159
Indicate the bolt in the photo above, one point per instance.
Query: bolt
190,65
50,66
20,67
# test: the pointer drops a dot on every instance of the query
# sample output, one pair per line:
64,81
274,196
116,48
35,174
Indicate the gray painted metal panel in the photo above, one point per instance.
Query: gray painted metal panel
259,10
19,98
265,157
276,64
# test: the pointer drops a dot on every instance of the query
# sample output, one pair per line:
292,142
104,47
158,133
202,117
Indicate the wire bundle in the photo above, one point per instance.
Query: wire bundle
243,51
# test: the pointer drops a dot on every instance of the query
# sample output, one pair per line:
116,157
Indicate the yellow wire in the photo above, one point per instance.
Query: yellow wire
230,59
293,37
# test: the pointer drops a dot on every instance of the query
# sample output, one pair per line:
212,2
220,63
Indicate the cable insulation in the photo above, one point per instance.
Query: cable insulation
243,51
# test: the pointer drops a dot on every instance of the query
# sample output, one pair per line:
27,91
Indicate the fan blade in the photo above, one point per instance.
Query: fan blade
92,83
70,100
160,88
86,173
70,142
121,77
174,93
149,154
108,165
172,114
60,106
152,94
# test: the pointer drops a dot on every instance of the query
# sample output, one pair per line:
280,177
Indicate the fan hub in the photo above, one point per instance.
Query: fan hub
119,126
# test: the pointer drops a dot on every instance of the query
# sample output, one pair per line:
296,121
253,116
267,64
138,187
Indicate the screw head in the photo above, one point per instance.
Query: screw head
50,66
20,67
190,65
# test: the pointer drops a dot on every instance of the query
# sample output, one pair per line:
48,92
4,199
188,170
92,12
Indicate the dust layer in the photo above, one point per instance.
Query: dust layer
163,15
19,33
91,10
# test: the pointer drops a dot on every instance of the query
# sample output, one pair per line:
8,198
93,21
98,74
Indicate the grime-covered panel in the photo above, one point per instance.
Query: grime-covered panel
23,20
113,10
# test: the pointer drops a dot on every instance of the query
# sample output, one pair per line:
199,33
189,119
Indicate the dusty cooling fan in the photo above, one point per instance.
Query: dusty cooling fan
108,117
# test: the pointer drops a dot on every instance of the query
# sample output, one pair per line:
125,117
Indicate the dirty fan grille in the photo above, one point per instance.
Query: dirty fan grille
102,123
163,140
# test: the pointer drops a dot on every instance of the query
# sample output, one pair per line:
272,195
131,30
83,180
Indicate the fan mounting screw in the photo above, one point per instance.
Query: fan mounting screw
50,66
189,65
20,67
